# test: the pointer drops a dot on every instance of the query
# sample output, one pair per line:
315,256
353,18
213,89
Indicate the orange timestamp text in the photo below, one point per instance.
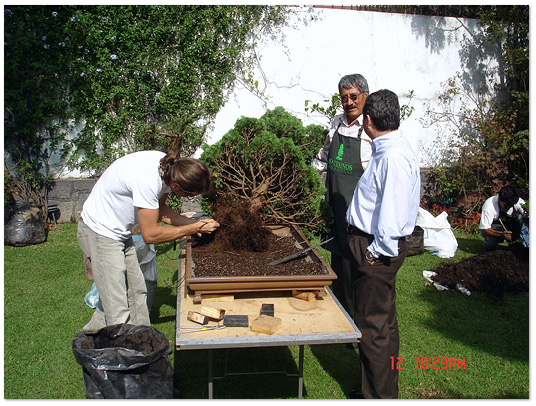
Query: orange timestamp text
433,363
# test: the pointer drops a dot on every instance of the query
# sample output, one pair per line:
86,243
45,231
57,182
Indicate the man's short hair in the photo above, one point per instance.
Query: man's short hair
355,80
384,110
509,195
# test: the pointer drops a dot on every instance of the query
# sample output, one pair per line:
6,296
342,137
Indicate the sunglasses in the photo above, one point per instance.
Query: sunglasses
353,96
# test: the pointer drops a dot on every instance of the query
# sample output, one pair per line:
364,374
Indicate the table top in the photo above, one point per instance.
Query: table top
319,321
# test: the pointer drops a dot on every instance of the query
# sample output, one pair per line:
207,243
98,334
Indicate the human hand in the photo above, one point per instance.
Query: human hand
371,259
207,226
508,235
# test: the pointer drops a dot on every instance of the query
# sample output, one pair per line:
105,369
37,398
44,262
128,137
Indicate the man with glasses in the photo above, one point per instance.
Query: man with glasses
344,156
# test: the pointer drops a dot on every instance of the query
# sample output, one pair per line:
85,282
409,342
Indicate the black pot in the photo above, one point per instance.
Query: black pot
415,242
24,225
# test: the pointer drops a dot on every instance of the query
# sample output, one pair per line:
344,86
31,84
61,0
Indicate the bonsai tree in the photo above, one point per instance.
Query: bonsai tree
262,162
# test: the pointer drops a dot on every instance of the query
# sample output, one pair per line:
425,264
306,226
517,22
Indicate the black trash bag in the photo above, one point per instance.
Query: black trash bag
24,225
415,242
125,362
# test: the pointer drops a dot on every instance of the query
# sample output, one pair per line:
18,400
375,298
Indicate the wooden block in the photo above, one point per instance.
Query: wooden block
267,309
320,293
218,298
212,312
236,320
302,295
197,317
266,324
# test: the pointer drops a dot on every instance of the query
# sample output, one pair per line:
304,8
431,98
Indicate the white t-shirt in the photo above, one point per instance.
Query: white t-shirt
490,211
130,182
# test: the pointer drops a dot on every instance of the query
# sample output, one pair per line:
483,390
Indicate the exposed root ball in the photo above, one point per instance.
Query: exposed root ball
240,228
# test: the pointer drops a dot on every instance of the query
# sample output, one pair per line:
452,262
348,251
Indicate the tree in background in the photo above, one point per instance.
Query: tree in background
266,163
491,147
125,78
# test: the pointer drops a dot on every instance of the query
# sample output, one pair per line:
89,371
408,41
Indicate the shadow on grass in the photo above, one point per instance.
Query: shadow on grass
163,296
470,246
191,373
169,249
341,364
496,326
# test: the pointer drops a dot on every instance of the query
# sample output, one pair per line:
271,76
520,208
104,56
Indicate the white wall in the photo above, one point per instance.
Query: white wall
394,51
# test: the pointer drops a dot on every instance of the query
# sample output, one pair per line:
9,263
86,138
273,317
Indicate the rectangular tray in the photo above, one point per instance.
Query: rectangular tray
237,284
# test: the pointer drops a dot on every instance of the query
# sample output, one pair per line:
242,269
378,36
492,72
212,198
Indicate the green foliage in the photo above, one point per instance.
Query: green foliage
491,129
406,110
330,111
283,124
129,77
174,202
42,316
35,68
259,161
334,108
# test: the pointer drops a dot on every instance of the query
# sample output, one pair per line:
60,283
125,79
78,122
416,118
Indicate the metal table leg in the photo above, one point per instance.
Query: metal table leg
300,374
210,376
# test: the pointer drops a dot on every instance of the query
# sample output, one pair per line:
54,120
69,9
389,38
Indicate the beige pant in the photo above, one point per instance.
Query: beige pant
119,280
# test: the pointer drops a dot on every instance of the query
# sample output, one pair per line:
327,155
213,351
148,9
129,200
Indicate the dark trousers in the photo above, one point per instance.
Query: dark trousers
375,316
343,286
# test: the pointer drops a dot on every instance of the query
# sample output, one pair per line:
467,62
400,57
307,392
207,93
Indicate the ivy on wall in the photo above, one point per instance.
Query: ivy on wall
126,77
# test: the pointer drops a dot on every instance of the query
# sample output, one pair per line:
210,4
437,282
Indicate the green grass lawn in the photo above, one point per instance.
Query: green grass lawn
45,284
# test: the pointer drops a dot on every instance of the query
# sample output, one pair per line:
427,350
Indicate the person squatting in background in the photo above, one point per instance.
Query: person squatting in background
501,218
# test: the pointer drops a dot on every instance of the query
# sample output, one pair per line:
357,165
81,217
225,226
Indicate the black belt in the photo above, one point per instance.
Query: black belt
352,230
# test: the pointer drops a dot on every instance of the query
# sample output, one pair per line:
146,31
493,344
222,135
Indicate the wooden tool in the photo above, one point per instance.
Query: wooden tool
197,318
212,312
302,295
266,324
502,224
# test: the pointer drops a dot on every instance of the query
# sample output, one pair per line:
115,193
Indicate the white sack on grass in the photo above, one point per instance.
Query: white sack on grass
438,237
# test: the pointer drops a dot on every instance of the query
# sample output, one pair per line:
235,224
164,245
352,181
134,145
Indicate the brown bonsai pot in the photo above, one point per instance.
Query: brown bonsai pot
203,285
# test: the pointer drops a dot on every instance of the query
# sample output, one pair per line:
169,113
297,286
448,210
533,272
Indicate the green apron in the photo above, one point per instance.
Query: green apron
343,173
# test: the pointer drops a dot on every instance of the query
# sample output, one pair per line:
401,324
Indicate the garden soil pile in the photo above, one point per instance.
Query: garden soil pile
493,273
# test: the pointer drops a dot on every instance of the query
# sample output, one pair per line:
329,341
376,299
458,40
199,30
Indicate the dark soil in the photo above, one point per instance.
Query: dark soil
243,246
493,273
240,230
212,261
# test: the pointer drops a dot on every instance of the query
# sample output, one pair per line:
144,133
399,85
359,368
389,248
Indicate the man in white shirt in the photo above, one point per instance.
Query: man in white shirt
382,212
501,218
344,156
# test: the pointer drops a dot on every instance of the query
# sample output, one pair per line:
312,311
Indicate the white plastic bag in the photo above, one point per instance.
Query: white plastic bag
146,257
92,297
438,236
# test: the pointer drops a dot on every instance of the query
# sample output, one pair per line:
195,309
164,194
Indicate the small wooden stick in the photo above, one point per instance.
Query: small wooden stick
502,224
